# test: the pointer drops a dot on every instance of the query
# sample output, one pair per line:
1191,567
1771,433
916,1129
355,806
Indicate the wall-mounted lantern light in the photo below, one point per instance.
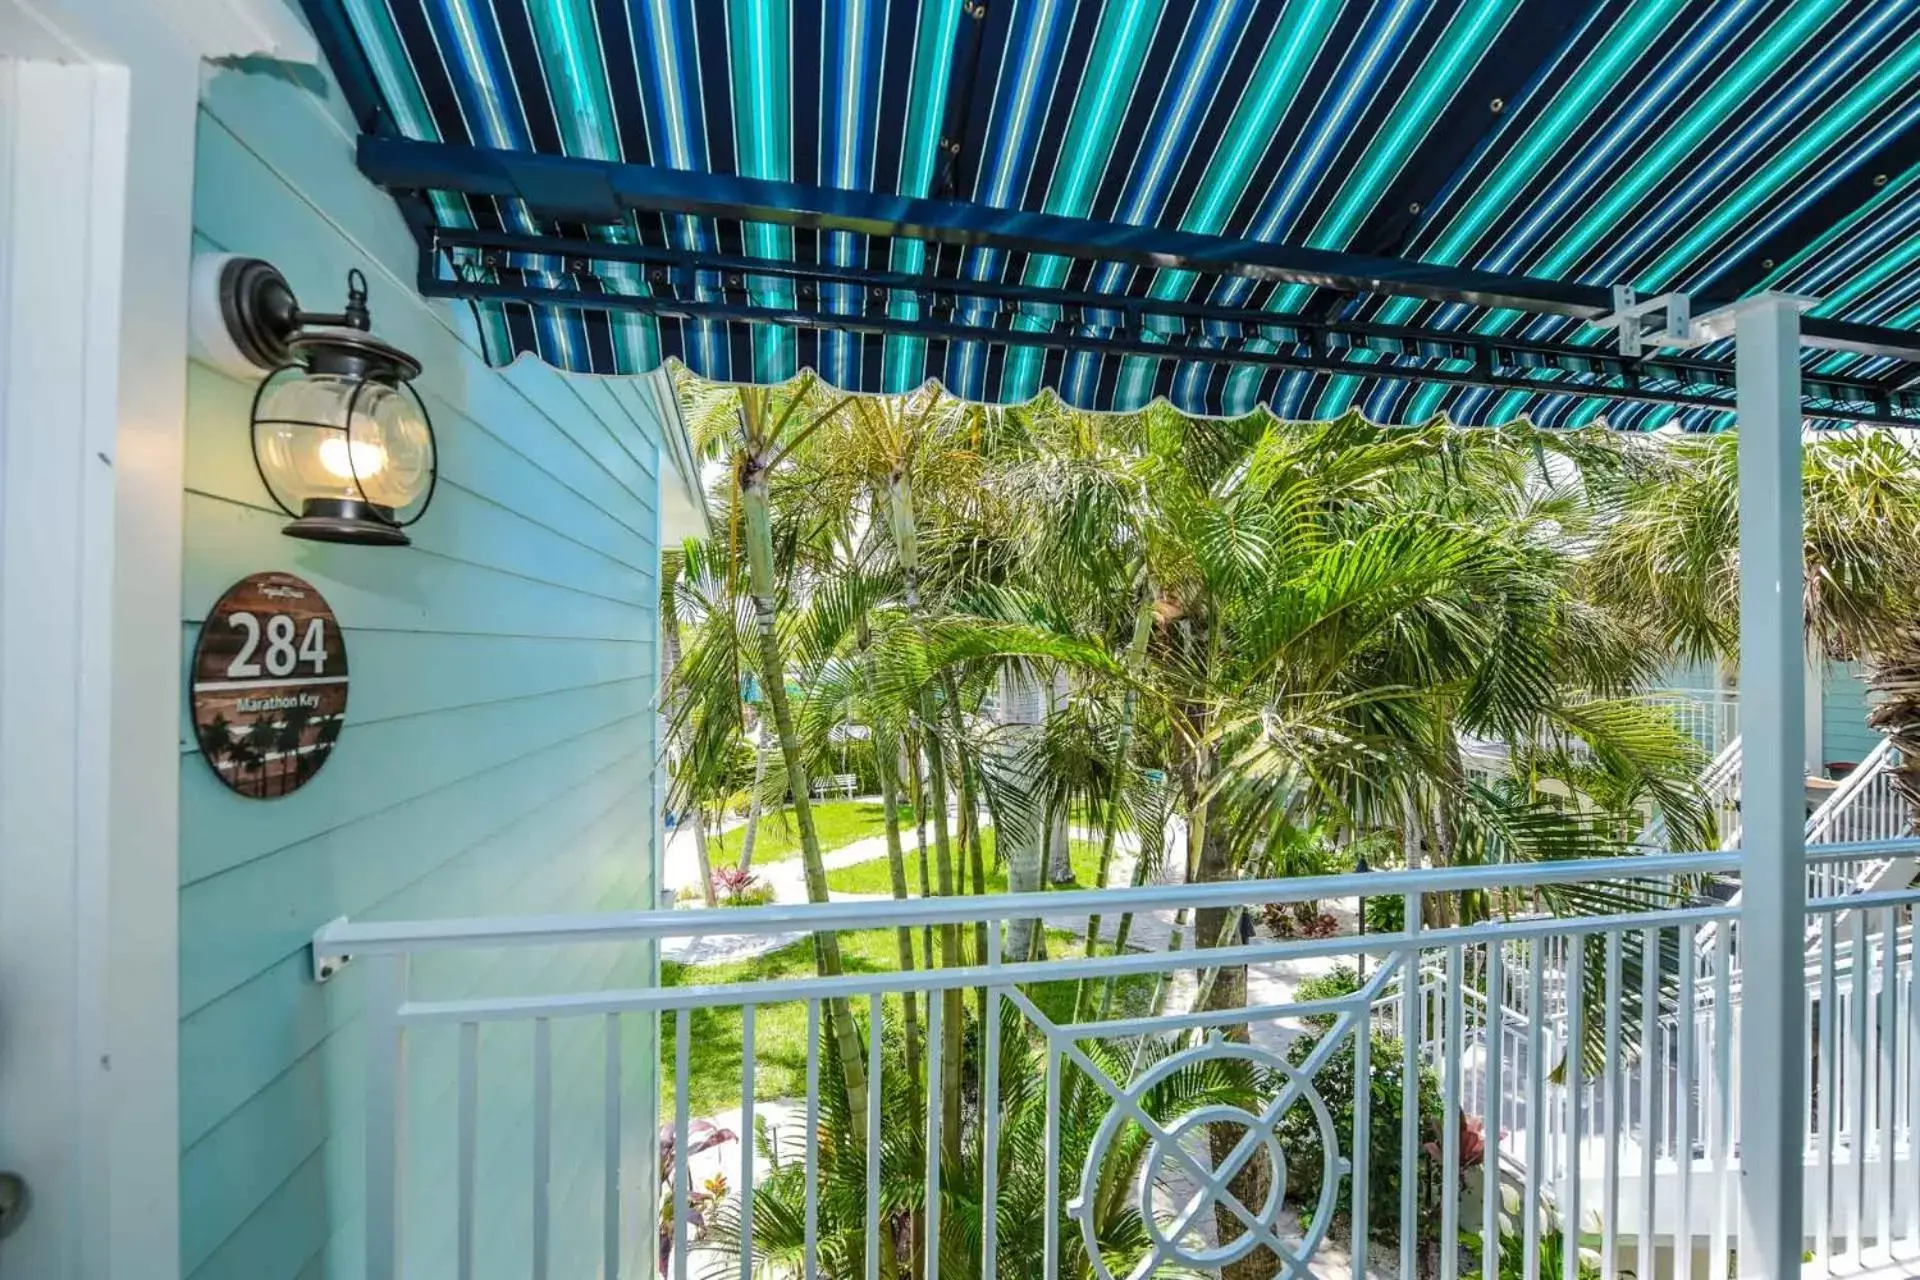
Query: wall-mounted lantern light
341,440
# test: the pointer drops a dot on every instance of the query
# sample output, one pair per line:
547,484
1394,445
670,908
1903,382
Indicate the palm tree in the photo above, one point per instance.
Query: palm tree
1669,558
1323,629
696,762
760,428
1293,625
287,741
259,749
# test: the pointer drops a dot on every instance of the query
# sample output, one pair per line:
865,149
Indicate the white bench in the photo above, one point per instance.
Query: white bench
845,783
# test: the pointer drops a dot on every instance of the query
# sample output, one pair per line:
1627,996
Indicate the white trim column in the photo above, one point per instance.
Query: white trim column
96,224
63,135
1773,715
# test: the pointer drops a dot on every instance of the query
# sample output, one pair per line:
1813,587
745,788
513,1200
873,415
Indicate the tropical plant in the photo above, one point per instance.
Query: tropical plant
1021,1207
737,887
1273,640
1336,1082
757,429
1669,558
701,1136
1510,1259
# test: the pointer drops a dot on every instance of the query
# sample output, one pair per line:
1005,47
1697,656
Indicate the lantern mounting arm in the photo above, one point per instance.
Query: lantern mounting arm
263,316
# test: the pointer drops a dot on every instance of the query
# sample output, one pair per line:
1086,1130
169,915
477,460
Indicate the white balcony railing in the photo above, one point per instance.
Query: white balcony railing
1086,1140
1710,716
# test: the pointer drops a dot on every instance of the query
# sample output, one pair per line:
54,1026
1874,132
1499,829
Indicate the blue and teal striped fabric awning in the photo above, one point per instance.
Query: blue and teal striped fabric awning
1716,147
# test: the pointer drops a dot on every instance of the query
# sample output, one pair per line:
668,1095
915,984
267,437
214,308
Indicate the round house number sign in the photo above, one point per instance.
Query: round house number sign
269,685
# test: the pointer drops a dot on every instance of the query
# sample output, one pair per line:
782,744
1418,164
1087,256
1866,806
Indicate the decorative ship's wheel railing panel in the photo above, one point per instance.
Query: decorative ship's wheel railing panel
1184,1237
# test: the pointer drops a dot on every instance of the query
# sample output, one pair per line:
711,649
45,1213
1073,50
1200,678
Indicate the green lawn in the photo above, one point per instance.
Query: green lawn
838,822
780,1030
873,877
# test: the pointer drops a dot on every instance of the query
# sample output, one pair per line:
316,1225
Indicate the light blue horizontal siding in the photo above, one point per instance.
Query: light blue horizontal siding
397,674
1844,734
498,755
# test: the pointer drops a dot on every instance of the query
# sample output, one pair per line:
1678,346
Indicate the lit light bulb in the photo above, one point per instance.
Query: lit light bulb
361,458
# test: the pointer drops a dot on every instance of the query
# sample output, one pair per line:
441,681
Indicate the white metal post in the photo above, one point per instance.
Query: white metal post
385,1110
1773,921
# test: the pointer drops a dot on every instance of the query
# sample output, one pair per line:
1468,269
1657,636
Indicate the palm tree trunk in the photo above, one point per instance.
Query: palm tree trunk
826,945
951,1026
886,758
1122,748
1213,927
700,856
753,800
906,541
1018,834
918,791
970,838
1059,847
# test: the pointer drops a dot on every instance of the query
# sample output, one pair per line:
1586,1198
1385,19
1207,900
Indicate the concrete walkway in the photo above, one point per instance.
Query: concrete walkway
788,879
1151,931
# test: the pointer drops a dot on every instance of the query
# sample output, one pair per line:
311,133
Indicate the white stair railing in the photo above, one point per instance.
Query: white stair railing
1648,1139
1720,790
1864,808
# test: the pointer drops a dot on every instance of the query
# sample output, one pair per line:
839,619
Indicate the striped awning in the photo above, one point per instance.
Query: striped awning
1715,147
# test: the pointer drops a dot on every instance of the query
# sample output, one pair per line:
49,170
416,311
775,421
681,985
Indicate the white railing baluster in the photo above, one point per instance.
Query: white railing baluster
810,1175
1720,1132
542,1143
875,1026
1535,1120
1362,1141
1886,1060
1573,1069
385,1112
610,1186
1050,1231
749,1070
682,1174
469,1104
1650,1058
990,1129
1912,1200
1493,1115
1452,1050
935,1011
1684,1093
1410,1092
1612,1085
1857,1089
1829,1097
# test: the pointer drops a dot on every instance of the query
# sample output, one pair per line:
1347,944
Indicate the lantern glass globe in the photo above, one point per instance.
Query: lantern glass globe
330,436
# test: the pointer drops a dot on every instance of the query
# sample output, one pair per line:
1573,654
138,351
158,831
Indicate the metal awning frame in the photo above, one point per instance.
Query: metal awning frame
565,191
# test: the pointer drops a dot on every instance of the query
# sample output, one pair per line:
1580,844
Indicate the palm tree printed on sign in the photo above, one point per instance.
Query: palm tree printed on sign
269,685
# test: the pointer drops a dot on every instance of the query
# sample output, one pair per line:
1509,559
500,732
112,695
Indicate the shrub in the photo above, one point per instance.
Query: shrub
1344,980
1511,1264
1322,925
1299,1130
1297,920
1386,913
738,888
